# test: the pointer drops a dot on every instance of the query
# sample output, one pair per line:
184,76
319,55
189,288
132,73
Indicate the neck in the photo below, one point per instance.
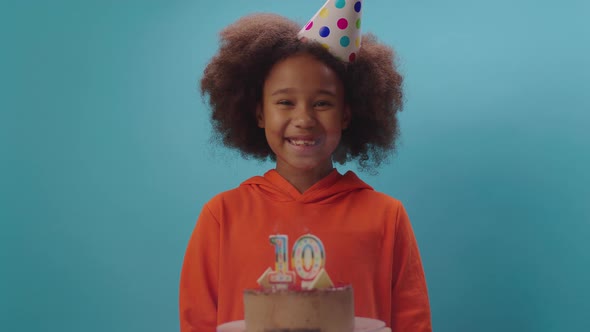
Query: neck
303,180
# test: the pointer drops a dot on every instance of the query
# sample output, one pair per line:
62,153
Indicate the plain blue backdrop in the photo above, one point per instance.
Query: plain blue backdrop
106,160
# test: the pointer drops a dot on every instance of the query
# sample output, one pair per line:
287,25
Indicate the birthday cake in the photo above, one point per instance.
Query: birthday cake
325,310
303,299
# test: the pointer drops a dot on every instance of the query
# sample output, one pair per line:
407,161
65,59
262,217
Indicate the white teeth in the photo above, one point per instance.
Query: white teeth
301,142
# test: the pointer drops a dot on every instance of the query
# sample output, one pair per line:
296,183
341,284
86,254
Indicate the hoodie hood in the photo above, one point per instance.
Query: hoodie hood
328,190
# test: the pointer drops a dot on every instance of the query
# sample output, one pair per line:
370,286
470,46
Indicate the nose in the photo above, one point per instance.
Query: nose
304,117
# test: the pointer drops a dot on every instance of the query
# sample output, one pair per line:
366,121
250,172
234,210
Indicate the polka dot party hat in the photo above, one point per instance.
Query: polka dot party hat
337,26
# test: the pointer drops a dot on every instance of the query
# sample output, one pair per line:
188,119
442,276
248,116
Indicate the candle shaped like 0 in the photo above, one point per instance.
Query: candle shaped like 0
309,257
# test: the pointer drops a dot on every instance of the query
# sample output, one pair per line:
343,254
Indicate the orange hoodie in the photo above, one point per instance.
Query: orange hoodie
367,237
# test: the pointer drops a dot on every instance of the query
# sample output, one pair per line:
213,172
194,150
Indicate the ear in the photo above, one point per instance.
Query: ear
259,116
346,115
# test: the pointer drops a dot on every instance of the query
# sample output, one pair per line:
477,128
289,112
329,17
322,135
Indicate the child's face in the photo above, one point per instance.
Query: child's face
303,114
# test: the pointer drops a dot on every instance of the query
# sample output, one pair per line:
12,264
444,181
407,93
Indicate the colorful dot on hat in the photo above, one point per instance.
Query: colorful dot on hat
324,31
337,26
357,6
342,23
344,41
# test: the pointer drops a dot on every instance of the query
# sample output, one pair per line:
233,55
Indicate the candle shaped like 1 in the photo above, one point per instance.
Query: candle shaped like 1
281,257
281,277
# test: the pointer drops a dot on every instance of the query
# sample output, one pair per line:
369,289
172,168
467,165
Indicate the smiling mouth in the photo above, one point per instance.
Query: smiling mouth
302,142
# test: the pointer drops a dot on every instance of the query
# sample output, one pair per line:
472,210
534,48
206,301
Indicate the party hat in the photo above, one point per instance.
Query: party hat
337,26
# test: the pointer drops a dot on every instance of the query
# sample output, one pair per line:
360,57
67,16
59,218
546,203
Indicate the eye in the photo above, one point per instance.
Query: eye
285,102
322,104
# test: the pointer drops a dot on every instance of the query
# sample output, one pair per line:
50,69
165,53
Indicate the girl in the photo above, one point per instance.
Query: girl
274,95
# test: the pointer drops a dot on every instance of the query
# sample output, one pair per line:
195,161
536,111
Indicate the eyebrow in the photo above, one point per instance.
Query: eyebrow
289,90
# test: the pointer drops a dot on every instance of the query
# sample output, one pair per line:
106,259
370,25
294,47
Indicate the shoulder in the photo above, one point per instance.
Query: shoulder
232,197
227,197
366,190
379,205
391,206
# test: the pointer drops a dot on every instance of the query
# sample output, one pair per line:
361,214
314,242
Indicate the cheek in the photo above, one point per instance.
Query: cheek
274,123
334,138
274,133
335,124
271,139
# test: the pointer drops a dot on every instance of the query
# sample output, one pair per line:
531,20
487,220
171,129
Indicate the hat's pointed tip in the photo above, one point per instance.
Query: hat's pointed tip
336,25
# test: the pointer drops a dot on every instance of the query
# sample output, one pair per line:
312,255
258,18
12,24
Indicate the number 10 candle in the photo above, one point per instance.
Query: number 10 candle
308,261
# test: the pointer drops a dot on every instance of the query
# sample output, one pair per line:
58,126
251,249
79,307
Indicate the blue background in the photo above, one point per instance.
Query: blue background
106,163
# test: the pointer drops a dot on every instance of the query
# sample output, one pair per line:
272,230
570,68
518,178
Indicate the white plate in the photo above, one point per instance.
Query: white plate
361,324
